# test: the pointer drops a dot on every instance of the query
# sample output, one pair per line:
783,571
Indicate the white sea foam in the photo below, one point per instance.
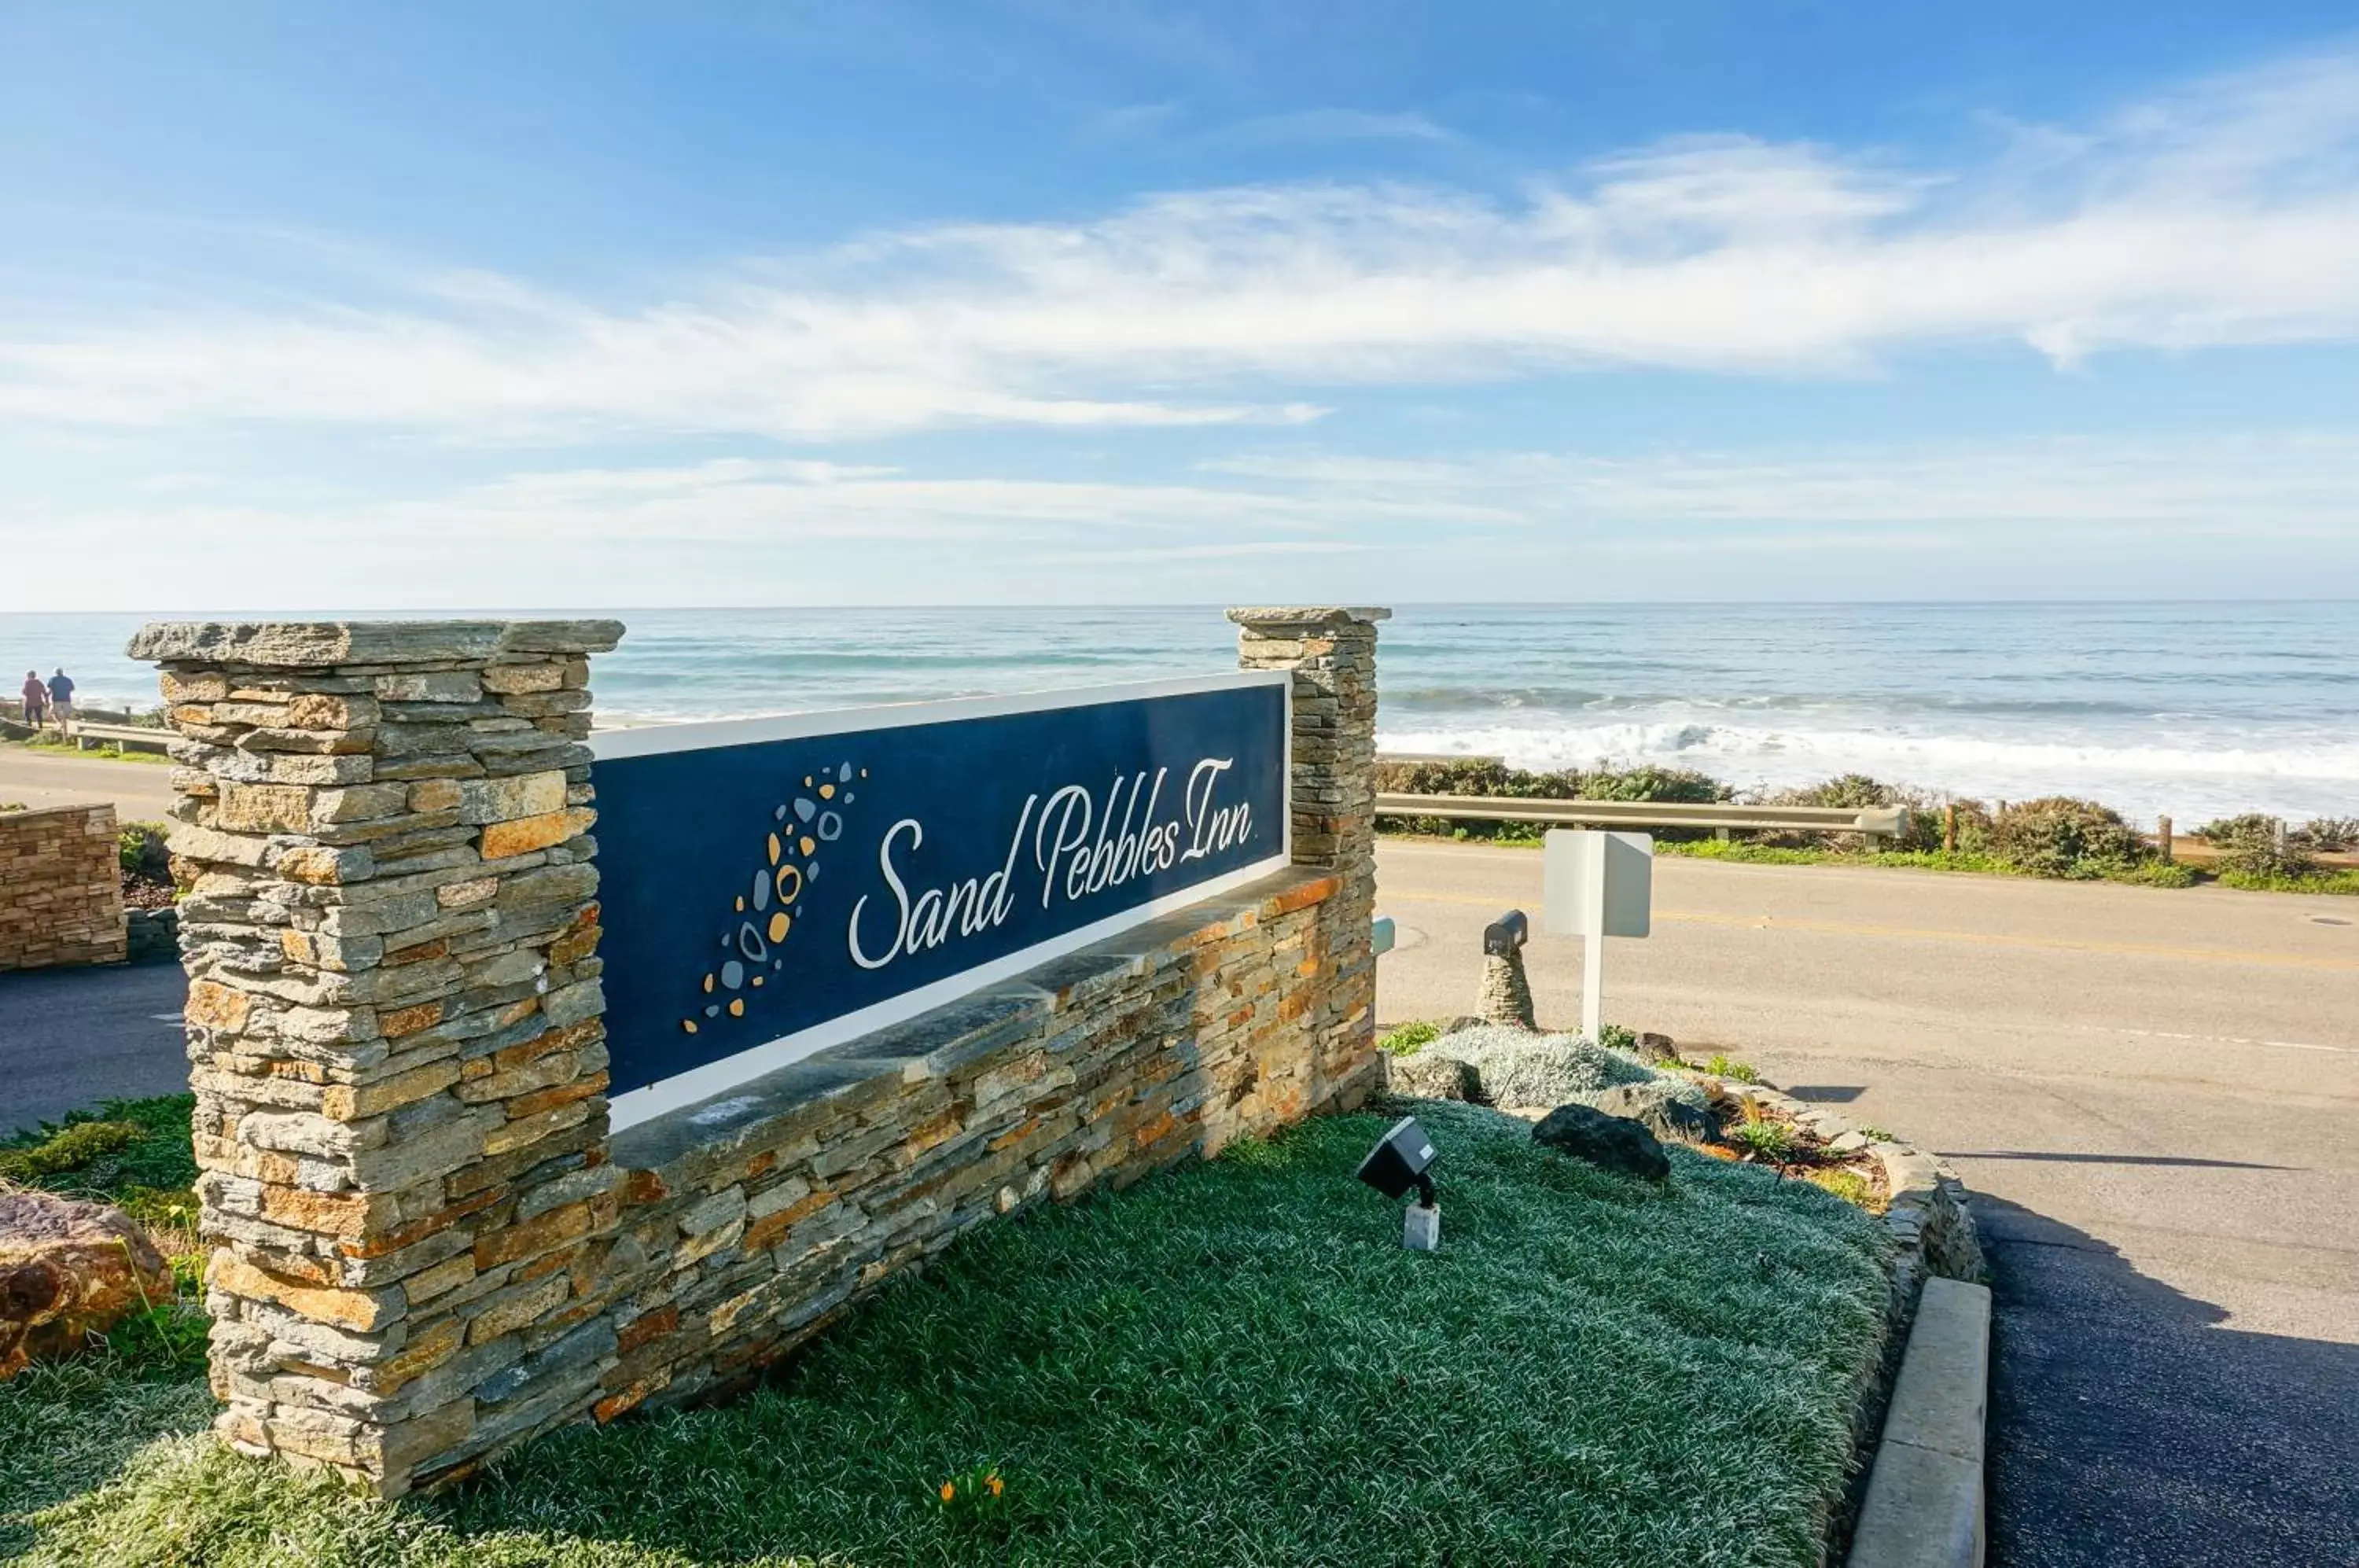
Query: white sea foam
2197,710
2204,777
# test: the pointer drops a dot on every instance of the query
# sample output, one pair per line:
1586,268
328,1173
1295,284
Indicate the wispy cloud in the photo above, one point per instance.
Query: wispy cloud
1472,525
2280,484
2225,214
1335,125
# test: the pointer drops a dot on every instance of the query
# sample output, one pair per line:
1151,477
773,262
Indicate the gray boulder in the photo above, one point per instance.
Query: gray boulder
1611,1143
1667,1110
1429,1075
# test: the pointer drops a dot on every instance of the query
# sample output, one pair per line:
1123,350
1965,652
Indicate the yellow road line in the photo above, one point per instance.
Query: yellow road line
1917,934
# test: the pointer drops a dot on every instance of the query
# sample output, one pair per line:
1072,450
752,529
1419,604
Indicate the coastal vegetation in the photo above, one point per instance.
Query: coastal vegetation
2055,836
1229,1362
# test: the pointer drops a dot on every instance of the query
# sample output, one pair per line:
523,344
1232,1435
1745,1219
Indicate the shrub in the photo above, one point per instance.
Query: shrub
1858,791
139,846
2330,835
2060,836
2156,873
1494,780
160,1155
69,1149
2255,845
1518,1068
1409,1038
1650,783
1849,1186
1763,1137
1722,1066
1847,791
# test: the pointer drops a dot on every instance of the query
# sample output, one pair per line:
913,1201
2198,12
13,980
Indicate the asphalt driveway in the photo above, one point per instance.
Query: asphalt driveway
71,1036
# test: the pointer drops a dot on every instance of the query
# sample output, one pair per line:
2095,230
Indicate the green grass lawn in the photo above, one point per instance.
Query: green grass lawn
2177,873
1232,1363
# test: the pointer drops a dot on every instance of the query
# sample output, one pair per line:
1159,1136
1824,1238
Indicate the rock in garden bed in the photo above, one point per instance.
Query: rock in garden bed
68,1270
1531,1074
1611,1143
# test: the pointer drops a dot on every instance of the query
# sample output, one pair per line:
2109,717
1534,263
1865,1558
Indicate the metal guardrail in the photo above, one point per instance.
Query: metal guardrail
139,737
1877,822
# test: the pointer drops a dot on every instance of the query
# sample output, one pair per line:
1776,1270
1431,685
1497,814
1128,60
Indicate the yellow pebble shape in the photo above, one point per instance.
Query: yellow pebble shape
740,906
738,1008
774,849
708,985
807,845
688,1024
778,923
789,884
827,791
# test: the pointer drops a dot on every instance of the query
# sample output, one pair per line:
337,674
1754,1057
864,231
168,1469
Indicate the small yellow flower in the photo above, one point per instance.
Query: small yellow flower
997,1485
950,1490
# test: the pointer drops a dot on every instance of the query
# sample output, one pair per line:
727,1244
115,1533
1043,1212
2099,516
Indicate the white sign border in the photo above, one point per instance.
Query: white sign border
683,1089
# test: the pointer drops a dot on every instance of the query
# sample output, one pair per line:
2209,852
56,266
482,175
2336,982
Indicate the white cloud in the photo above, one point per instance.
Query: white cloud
2227,213
1478,525
2283,484
1335,125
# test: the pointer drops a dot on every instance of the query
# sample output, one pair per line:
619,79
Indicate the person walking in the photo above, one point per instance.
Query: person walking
37,702
62,690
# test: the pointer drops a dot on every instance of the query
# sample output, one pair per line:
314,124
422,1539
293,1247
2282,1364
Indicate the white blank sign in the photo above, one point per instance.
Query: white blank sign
1597,884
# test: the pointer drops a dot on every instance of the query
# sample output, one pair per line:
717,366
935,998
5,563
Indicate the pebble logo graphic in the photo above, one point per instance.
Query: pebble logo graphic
764,915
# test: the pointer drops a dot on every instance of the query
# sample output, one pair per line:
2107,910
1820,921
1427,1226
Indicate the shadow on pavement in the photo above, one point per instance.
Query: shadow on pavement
2069,1158
2126,1429
69,1036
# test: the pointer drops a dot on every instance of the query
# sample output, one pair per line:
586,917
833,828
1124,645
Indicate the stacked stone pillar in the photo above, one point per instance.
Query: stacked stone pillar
395,1029
1331,652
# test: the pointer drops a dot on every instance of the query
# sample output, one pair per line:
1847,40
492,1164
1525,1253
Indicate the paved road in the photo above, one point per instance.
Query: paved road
71,1036
2154,1089
140,790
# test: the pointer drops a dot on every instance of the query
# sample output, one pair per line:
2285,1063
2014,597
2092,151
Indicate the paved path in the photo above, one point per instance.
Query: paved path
2156,1091
71,1036
140,790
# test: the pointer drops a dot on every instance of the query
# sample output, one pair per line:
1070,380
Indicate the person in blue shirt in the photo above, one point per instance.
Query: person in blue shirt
62,690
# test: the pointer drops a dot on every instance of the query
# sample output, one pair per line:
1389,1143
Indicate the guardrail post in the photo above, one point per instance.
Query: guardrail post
2163,839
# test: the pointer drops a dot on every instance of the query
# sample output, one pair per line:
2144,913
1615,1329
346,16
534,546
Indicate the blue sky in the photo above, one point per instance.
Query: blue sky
478,305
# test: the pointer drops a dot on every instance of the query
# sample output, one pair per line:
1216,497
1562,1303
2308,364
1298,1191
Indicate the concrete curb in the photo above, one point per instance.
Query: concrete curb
1924,1504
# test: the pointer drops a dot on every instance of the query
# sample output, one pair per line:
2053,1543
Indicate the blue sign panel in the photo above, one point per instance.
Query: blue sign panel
773,887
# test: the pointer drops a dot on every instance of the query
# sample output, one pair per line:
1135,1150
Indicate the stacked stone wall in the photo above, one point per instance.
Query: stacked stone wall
755,1219
428,1247
60,887
394,1016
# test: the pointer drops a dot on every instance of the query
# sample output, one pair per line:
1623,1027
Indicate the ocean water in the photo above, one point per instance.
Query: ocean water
2194,709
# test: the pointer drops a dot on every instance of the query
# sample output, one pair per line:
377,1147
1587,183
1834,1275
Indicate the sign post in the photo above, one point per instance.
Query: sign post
1596,884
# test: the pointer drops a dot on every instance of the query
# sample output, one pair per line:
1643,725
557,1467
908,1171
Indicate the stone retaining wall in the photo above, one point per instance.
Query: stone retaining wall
60,887
428,1245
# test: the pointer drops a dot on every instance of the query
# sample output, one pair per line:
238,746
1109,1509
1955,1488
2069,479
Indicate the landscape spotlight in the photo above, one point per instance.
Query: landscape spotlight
1397,1163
